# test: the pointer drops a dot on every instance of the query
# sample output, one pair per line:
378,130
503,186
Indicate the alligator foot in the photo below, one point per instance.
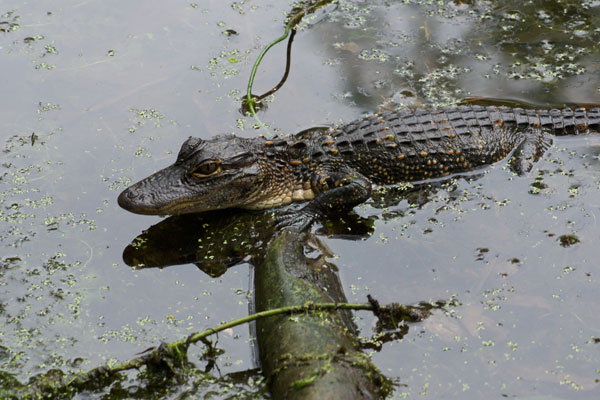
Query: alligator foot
299,220
531,149
350,188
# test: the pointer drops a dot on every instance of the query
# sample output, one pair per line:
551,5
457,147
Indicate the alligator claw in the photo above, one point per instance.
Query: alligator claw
299,220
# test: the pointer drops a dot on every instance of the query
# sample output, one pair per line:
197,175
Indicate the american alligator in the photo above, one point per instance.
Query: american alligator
335,168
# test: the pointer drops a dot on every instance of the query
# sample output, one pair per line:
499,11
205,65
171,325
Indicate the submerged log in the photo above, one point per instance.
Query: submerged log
315,355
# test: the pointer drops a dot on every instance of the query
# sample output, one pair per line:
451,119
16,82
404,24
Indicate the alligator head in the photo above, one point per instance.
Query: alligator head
222,172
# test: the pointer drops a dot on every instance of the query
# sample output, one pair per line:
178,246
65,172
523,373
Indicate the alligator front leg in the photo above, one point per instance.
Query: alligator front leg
339,191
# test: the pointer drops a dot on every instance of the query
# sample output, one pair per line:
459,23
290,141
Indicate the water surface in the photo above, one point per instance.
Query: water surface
97,94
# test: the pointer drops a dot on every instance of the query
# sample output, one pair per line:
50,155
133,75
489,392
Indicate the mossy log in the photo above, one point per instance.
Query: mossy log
314,355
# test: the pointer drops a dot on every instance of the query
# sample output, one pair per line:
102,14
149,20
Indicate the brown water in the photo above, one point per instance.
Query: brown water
98,94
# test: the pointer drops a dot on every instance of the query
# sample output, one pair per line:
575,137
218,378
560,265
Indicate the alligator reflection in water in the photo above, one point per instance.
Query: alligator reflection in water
214,241
217,240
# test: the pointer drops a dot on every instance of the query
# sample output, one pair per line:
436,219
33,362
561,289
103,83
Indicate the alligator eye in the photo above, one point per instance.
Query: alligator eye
206,169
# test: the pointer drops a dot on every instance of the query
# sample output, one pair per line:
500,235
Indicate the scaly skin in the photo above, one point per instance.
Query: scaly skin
334,168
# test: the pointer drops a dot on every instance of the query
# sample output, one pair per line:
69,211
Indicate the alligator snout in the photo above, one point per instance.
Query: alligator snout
132,200
139,201
155,195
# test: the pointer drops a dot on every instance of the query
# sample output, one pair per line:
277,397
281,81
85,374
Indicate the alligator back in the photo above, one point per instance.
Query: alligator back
414,145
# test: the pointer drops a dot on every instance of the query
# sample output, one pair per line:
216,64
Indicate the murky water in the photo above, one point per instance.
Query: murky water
98,94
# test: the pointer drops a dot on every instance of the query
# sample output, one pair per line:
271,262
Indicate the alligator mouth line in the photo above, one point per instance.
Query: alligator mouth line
178,206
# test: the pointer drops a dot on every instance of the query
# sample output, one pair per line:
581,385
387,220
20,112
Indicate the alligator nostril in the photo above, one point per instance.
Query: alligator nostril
131,194
128,198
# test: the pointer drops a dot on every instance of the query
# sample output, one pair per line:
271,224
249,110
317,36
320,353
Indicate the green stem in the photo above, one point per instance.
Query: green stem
292,22
277,311
195,337
257,63
249,98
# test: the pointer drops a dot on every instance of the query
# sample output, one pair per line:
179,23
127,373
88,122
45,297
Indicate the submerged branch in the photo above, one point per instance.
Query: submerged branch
173,356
